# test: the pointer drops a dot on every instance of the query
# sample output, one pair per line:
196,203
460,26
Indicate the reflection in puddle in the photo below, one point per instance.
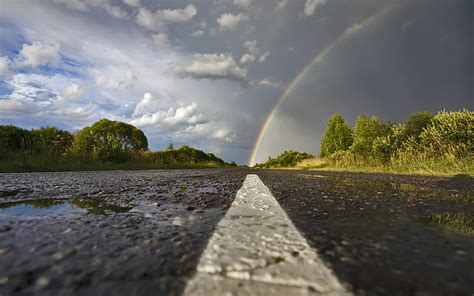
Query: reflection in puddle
44,207
37,208
421,191
15,192
95,206
460,223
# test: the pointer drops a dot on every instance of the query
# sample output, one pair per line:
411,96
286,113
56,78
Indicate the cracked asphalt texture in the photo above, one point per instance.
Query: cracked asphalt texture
380,233
152,250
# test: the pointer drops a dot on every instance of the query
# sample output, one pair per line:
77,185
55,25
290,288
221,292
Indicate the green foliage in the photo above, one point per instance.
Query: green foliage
443,143
105,145
109,141
450,134
170,146
13,138
366,130
384,147
337,136
288,158
416,122
184,154
50,140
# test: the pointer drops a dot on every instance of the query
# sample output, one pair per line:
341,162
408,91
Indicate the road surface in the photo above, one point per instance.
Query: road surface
204,232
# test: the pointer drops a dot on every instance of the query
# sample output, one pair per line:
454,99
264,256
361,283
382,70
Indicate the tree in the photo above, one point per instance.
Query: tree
13,138
170,146
366,130
416,122
51,140
337,136
288,158
108,140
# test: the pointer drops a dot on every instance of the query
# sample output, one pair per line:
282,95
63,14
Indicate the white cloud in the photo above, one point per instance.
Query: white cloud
14,105
183,123
38,54
247,58
208,131
311,5
197,33
149,20
134,3
86,5
161,39
146,105
74,4
115,11
212,66
229,21
178,15
254,53
181,116
73,91
51,97
243,3
4,65
268,83
282,4
157,21
114,77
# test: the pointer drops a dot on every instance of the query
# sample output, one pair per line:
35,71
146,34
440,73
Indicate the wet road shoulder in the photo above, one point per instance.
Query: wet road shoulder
384,234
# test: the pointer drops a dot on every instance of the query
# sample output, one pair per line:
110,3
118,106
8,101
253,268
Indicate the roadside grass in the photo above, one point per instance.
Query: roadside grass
444,167
45,163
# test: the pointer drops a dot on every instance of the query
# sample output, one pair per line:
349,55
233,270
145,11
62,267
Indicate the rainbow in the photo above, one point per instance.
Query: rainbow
316,59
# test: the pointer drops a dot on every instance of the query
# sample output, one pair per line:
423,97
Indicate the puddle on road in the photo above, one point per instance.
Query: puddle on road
76,205
414,190
455,221
15,192
51,206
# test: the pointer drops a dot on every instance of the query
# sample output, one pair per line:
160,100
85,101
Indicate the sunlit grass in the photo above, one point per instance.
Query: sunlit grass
44,163
427,167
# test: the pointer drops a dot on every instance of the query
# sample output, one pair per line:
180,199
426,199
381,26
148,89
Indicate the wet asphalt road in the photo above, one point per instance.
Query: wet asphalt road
114,233
385,234
142,232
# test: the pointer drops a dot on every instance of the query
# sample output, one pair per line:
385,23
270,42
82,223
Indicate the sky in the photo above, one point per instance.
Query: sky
244,79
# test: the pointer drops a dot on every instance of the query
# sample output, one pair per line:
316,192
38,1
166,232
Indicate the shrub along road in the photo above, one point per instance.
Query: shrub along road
143,232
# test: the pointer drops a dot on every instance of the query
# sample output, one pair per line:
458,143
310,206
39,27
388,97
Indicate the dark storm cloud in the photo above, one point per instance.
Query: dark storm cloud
418,57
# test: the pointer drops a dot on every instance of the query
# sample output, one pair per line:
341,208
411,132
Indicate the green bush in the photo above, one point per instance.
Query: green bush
450,134
337,136
384,147
13,139
416,123
108,141
443,143
288,158
51,141
366,130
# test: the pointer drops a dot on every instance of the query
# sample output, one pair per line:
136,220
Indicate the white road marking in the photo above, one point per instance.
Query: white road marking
256,250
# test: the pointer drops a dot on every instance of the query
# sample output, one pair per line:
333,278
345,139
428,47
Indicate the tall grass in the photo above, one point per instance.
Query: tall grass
440,167
19,163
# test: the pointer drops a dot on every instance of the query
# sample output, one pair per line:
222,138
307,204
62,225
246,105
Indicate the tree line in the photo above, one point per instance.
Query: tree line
441,142
105,141
444,137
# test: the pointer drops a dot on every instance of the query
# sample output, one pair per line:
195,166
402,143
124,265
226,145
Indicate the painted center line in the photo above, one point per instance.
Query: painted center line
256,250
